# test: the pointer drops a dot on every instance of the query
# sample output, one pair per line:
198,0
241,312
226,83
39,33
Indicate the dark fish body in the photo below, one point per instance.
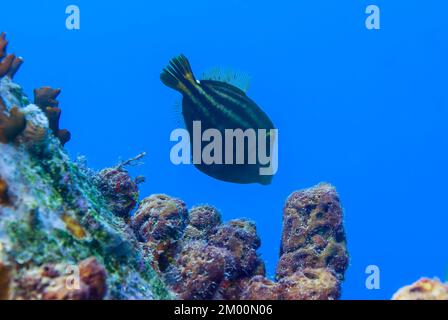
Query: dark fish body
219,105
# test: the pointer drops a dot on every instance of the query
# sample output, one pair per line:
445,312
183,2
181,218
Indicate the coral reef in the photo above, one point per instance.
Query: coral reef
202,258
85,281
313,234
193,251
159,218
13,118
197,271
260,288
159,223
310,284
313,249
423,289
52,213
240,238
120,189
307,284
202,220
94,276
58,217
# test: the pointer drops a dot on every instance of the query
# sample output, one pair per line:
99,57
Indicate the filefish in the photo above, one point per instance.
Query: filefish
222,106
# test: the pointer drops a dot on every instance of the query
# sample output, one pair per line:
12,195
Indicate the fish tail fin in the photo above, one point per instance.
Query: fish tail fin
177,73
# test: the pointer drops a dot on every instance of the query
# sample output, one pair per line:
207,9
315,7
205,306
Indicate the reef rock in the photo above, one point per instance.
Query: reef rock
86,281
160,218
197,271
313,234
240,238
260,288
310,284
119,189
6,275
53,214
198,256
313,252
202,221
313,249
423,289
202,258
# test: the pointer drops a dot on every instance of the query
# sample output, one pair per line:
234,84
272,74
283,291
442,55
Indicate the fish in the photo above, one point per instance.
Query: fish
221,106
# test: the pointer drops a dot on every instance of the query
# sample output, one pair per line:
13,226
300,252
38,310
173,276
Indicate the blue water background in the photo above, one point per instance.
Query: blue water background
363,110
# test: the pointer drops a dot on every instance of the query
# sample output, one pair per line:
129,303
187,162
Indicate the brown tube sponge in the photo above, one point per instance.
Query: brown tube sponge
46,99
11,126
10,64
54,116
4,197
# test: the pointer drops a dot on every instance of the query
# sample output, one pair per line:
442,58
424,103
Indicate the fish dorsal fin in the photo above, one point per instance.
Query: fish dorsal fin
236,79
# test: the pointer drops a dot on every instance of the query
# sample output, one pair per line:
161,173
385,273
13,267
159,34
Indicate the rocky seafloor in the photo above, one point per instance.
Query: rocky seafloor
68,232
